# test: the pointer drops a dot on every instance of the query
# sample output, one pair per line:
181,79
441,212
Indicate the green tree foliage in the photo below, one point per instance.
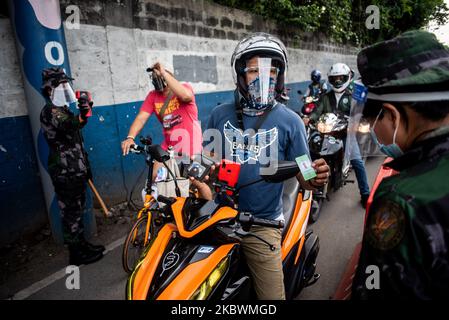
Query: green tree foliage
344,20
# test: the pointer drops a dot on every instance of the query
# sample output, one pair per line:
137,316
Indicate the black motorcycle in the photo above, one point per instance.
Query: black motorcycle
327,140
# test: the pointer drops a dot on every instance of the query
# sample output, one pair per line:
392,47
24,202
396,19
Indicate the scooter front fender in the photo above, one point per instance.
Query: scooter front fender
184,285
140,280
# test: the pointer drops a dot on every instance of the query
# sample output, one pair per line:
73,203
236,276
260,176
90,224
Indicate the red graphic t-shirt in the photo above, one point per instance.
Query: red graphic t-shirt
185,135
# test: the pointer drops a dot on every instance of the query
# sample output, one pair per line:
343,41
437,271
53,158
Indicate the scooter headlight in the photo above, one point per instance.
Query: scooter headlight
211,282
364,127
324,127
327,123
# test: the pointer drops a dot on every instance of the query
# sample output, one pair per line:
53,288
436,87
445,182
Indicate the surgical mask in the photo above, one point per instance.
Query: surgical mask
63,95
391,150
261,93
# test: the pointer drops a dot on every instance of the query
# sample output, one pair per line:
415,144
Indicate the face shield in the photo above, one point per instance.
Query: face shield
359,141
261,78
63,95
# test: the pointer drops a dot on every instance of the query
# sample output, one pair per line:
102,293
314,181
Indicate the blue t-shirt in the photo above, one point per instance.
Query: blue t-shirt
282,133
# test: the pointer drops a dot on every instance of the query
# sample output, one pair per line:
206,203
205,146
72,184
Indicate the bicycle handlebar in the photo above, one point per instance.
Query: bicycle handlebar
136,149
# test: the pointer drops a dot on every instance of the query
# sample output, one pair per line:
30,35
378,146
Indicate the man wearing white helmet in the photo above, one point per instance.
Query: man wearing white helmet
339,98
253,124
340,77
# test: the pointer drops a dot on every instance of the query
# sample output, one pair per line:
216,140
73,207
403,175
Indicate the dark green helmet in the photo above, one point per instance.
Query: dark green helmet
411,67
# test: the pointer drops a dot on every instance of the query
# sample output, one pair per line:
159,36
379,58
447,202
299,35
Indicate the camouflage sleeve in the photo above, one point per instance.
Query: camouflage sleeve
64,121
391,261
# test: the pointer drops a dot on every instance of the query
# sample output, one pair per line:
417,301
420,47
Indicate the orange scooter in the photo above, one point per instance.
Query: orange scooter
194,250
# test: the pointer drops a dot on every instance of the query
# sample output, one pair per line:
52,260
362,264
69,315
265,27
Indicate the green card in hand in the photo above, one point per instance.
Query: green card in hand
305,165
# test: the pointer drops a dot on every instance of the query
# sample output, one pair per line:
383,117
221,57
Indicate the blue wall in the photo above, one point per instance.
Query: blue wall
22,206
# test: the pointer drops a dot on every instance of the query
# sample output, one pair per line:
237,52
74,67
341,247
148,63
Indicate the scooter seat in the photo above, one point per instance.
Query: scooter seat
289,197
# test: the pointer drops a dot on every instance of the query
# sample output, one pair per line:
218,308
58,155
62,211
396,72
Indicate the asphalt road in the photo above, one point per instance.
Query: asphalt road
339,229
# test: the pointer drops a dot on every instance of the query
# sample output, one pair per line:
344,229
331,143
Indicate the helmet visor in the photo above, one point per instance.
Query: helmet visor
338,81
261,78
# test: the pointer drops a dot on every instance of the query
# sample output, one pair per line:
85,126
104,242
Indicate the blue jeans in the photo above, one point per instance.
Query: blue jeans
360,173
353,152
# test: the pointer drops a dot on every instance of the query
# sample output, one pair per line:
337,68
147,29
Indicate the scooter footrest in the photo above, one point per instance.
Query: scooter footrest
313,280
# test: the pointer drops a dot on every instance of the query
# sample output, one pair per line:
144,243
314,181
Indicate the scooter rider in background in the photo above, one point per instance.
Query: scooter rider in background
68,165
406,233
338,99
317,87
259,66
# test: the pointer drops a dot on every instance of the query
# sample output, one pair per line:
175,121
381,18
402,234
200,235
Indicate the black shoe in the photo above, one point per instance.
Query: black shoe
92,247
364,200
81,254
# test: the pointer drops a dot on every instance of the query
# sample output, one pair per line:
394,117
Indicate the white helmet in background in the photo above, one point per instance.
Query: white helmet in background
339,77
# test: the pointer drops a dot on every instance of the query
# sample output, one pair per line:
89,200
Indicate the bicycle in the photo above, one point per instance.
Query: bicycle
143,230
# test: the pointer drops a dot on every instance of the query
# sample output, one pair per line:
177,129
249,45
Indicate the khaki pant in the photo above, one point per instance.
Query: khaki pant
265,265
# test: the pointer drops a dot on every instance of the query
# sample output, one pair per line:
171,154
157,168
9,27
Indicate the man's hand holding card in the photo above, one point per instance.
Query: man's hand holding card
315,173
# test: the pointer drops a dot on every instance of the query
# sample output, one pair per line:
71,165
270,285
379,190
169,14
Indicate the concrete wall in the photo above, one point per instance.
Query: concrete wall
111,61
116,42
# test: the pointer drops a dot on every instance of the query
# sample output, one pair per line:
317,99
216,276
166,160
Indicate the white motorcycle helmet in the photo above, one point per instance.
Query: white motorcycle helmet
263,45
339,77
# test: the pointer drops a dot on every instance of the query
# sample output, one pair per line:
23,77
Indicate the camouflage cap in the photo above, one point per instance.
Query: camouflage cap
52,77
411,67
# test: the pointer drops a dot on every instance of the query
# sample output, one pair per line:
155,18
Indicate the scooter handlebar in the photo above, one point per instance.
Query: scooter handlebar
248,218
167,200
268,223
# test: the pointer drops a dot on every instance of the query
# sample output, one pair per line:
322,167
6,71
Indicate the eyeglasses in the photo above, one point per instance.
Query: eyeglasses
255,71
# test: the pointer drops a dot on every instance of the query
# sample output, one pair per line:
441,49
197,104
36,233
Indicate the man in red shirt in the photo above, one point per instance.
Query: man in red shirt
175,107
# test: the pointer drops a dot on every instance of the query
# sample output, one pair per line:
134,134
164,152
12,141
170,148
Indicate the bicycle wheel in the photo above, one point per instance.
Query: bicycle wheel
136,241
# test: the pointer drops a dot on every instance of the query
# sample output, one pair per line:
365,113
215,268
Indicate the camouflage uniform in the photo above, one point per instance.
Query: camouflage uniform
407,228
68,165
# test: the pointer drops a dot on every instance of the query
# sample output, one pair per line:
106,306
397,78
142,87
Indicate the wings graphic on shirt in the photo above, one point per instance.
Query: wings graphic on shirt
246,147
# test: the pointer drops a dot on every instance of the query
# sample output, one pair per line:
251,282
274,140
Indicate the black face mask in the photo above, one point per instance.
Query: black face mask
158,83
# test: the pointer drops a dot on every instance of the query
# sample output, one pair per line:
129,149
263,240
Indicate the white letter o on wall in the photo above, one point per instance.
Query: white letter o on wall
48,55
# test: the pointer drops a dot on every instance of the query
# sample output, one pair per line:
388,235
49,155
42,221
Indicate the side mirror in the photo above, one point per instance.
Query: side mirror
283,171
158,154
